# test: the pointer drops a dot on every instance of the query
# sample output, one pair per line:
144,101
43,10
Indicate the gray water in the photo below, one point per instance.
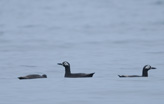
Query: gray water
108,37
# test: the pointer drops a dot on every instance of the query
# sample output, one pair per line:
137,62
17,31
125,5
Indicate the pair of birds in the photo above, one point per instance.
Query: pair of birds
68,73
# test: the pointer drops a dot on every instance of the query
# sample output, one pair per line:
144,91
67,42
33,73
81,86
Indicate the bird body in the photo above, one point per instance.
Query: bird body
33,76
68,73
145,70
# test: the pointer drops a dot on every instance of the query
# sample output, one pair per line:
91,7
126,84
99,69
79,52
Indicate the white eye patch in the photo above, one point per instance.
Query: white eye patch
147,67
66,64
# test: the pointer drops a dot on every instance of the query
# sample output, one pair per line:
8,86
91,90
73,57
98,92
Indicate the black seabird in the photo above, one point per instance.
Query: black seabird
73,75
145,70
33,76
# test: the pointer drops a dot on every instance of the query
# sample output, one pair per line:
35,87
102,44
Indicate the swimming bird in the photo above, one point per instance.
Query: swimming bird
33,76
73,75
145,70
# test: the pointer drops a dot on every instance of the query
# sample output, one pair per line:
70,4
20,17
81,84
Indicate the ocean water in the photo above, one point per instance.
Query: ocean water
108,37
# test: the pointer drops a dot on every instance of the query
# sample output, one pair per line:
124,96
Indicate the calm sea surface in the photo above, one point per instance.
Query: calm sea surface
108,37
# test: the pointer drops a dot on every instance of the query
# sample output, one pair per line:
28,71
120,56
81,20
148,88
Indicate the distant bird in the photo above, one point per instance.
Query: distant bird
73,75
145,70
33,76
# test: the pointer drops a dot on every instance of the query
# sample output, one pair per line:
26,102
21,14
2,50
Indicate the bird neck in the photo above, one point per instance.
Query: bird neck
145,73
67,70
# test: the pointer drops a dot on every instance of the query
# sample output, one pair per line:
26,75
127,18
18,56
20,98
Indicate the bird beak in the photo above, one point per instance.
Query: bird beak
60,64
153,68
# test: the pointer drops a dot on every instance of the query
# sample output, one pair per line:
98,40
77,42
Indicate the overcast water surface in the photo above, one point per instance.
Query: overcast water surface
108,37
